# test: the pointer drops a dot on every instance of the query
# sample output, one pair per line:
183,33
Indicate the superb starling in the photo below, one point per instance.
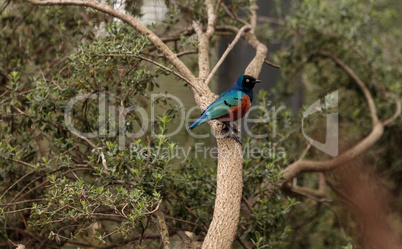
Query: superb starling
232,104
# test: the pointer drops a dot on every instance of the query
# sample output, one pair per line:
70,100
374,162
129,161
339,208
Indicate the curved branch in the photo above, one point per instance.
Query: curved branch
396,114
362,85
378,129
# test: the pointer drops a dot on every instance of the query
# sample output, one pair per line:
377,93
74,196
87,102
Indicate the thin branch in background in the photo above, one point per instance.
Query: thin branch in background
6,3
186,53
322,202
23,163
156,209
101,154
156,64
247,204
271,64
362,85
232,15
305,151
166,69
16,182
396,114
227,51
269,20
143,230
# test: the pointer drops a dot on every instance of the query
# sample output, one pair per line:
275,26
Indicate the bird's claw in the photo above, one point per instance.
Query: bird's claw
233,132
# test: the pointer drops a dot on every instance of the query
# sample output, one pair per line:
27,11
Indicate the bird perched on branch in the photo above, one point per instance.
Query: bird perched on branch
231,105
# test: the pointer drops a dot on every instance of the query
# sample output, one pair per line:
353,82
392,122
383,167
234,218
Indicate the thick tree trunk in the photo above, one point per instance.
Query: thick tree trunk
222,230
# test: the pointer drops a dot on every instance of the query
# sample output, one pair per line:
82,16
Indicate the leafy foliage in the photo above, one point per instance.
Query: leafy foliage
69,190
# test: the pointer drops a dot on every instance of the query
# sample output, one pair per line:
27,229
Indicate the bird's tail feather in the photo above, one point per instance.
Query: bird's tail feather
197,123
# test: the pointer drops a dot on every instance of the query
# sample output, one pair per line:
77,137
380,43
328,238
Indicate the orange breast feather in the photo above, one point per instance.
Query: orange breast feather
237,111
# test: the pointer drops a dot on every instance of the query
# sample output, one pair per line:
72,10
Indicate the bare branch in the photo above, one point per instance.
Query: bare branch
362,85
27,174
186,53
271,64
102,155
232,15
305,151
227,51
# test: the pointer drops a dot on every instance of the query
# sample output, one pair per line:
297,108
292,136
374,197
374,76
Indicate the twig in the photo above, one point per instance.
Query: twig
227,51
150,61
23,163
102,155
17,182
362,85
396,114
271,64
186,53
156,209
247,204
305,151
232,15
184,221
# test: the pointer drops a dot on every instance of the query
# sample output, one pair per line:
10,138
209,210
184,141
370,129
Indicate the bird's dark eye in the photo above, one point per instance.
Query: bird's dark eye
247,80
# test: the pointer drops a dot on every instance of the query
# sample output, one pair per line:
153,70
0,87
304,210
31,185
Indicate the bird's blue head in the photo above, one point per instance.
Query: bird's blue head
246,82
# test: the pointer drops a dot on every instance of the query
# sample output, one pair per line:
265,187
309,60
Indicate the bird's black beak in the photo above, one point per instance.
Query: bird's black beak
257,81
